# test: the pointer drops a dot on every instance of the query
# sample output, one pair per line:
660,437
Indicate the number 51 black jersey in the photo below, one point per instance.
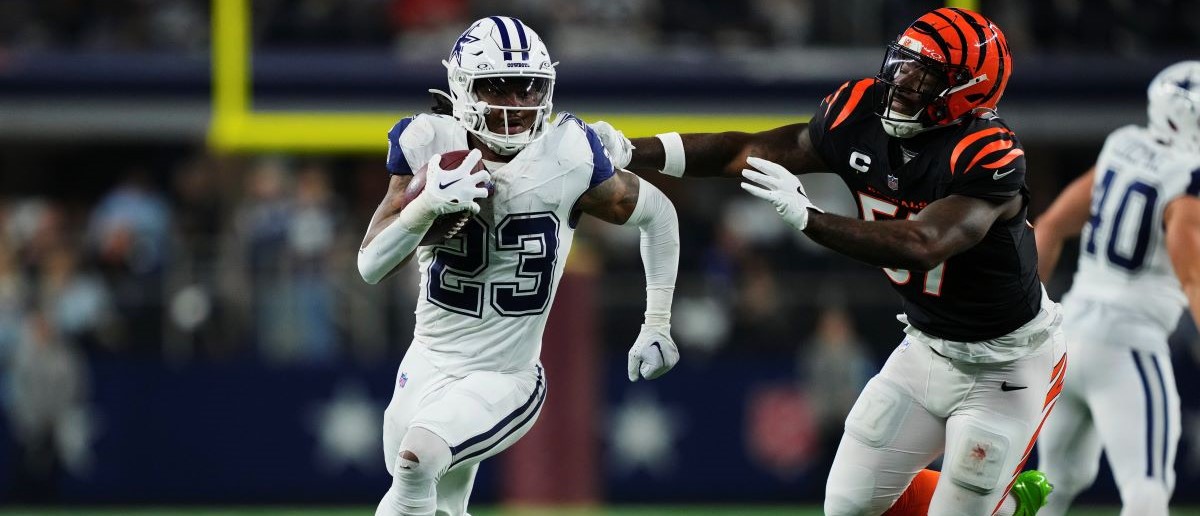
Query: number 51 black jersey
982,293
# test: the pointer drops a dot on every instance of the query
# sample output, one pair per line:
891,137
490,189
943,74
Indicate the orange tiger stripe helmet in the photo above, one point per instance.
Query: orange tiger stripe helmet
950,62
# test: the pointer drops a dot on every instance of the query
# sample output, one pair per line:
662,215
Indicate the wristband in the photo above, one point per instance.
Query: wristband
675,160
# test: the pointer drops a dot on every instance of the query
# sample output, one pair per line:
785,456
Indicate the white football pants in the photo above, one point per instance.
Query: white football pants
983,417
1120,397
478,414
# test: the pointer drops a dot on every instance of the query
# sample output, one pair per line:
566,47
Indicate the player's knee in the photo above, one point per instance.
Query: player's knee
409,461
979,459
414,482
850,492
422,458
1146,497
876,416
411,471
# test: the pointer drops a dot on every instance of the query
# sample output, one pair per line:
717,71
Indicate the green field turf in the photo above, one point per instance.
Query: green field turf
729,510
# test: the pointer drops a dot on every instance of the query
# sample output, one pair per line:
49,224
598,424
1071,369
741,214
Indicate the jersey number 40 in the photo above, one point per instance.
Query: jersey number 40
1128,227
458,264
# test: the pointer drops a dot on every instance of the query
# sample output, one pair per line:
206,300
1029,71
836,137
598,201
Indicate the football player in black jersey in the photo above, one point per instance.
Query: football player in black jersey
939,179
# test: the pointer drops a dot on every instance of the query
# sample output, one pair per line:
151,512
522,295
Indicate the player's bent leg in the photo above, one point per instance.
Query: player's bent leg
1028,495
447,427
416,383
975,468
486,412
422,460
889,438
991,434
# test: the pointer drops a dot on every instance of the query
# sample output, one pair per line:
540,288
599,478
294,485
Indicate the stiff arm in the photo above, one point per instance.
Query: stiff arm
724,154
946,227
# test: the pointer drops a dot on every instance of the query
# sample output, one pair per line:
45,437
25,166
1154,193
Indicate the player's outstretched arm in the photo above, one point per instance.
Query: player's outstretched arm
1063,219
396,228
943,229
711,154
1183,246
629,200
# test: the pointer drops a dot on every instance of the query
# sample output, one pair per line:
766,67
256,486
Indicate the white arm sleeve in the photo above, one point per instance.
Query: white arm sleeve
655,216
398,240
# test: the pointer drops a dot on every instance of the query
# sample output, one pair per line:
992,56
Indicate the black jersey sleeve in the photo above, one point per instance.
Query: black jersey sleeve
988,163
834,109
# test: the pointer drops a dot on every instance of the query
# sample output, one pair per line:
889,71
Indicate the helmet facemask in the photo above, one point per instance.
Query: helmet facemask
500,72
947,64
915,92
520,103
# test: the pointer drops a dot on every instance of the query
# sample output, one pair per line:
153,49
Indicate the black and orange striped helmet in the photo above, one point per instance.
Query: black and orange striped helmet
947,64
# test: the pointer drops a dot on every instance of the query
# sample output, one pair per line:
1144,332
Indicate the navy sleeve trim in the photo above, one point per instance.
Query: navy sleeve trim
602,167
397,163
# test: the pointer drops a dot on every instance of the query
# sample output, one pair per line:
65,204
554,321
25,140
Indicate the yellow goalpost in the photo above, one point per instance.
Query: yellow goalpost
237,127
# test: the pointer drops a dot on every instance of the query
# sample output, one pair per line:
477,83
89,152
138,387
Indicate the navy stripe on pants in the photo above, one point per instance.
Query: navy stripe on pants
1137,360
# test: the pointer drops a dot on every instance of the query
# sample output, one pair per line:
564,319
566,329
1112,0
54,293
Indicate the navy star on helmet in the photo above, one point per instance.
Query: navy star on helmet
498,47
1174,106
465,38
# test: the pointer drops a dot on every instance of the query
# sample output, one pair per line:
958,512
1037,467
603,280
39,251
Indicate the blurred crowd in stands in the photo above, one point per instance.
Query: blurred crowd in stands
588,28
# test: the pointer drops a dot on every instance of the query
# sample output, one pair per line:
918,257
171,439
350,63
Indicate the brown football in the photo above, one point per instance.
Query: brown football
445,226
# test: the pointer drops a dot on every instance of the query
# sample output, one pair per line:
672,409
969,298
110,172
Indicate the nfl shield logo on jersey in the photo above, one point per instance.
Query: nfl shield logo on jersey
402,380
893,182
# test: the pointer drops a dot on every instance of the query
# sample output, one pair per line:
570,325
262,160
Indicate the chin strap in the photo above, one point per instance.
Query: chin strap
898,125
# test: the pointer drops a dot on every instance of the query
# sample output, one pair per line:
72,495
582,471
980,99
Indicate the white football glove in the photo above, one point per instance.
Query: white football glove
454,190
620,149
773,183
653,353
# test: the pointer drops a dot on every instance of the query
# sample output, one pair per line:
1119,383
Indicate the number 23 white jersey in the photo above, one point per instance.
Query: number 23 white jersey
1123,257
486,293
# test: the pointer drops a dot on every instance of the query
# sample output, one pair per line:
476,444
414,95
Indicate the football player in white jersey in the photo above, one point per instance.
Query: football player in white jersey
471,384
1139,265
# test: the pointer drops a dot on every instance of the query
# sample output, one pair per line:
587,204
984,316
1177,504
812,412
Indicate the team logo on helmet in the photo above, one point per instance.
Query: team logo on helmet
1174,106
949,63
500,53
466,38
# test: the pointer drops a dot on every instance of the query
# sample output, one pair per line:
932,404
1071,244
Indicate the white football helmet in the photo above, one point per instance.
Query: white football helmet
500,48
1175,106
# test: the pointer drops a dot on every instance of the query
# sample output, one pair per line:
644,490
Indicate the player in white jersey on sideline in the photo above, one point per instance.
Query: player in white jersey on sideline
471,383
1139,265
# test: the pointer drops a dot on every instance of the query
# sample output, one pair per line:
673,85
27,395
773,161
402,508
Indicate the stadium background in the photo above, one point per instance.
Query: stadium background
181,321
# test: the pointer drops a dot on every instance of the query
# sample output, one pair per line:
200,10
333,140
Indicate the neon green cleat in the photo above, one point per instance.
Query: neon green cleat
1031,490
